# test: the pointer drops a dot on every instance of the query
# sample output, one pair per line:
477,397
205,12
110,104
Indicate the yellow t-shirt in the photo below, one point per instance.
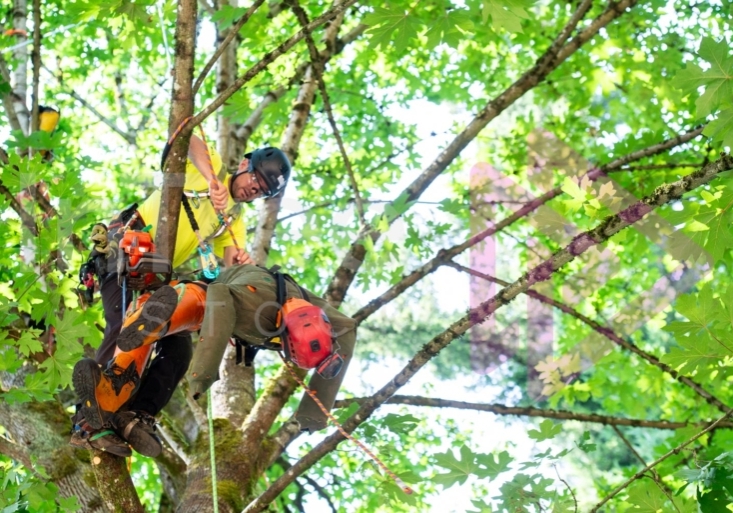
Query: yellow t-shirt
186,241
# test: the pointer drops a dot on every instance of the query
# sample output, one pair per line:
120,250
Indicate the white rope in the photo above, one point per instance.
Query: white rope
165,37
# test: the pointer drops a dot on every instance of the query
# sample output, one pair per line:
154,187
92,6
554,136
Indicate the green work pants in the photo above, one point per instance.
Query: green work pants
243,302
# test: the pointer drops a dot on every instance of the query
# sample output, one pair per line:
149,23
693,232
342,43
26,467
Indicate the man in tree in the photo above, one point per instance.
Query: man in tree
252,304
263,173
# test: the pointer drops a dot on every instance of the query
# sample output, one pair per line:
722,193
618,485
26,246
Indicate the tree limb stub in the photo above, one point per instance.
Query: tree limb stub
526,411
543,272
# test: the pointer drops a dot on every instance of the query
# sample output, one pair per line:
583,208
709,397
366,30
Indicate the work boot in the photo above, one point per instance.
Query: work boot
103,440
102,393
149,324
138,428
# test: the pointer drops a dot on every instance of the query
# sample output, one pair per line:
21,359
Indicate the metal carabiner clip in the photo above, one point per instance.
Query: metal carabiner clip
209,265
196,200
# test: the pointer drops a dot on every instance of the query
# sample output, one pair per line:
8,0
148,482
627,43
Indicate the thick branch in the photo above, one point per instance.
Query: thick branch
181,108
643,471
20,58
115,484
267,408
15,451
543,272
223,45
8,100
268,59
525,411
447,255
555,55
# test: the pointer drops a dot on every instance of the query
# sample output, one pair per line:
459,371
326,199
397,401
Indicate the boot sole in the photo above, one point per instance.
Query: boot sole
85,378
157,311
141,440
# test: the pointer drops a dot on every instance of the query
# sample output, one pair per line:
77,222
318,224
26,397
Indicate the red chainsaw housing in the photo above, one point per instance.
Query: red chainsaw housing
309,340
136,244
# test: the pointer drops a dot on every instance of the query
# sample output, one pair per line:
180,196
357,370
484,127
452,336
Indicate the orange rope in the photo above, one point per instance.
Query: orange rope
221,214
178,130
338,425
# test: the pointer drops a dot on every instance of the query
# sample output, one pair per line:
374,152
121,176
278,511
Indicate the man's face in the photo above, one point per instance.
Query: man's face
246,187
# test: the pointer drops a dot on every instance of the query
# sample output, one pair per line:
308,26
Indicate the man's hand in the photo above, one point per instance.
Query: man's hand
242,257
219,195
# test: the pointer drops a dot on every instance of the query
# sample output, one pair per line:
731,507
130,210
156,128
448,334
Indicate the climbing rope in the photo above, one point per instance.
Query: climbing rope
220,213
338,425
212,452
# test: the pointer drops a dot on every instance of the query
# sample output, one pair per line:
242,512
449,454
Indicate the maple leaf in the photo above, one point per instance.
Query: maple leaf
495,464
607,190
450,28
547,431
28,342
646,497
506,14
385,22
577,194
70,329
459,469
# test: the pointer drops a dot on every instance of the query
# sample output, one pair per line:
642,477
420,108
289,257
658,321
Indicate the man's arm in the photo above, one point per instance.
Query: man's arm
202,161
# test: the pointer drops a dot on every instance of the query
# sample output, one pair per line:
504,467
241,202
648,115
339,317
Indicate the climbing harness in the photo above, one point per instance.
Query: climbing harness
212,452
341,429
209,265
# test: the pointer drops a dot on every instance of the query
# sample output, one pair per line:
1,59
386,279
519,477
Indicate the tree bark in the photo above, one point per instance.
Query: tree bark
20,56
40,431
181,109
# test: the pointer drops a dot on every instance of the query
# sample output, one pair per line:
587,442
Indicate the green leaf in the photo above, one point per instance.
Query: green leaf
400,423
715,501
577,194
70,329
721,128
384,22
646,497
451,28
548,430
494,464
459,469
227,15
28,342
586,447
506,14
